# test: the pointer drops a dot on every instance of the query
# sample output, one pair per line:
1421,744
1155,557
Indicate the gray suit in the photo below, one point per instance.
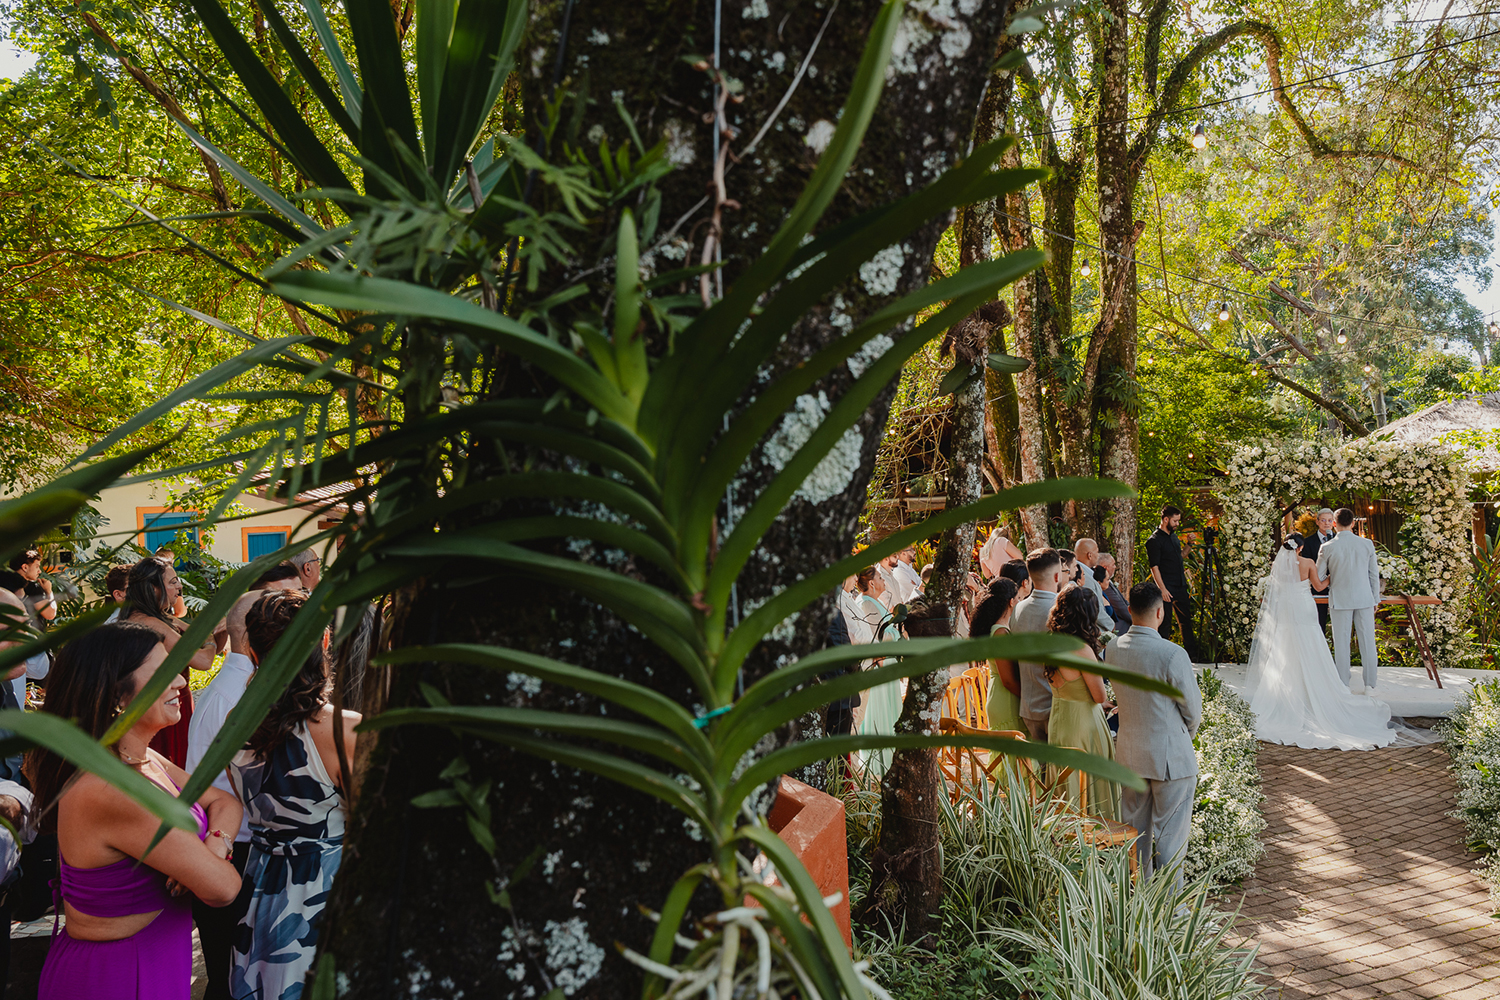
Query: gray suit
1031,615
1156,741
1353,573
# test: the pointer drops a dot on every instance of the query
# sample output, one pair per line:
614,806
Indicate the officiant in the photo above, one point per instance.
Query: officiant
1310,547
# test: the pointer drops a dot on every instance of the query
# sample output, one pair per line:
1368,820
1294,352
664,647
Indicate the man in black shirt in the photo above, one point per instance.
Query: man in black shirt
1164,553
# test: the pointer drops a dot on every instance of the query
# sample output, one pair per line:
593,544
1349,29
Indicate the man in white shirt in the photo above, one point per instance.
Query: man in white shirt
216,926
906,574
893,588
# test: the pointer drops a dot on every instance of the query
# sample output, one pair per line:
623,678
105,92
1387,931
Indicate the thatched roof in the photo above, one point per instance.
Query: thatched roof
1470,413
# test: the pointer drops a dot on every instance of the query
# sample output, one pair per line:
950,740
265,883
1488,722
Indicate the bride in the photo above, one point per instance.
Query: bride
1292,684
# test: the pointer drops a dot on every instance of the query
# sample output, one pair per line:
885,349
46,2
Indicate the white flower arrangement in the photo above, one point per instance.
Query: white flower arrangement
1472,735
1227,821
1431,482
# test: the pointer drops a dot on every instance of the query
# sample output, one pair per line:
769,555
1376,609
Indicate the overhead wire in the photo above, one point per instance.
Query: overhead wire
1221,287
1188,109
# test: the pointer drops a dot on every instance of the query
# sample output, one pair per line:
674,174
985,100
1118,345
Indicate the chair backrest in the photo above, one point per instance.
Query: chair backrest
966,767
965,699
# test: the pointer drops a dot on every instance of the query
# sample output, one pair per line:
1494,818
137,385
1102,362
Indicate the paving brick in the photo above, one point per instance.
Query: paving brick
1366,889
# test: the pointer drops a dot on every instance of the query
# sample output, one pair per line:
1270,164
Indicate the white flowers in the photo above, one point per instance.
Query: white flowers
1428,483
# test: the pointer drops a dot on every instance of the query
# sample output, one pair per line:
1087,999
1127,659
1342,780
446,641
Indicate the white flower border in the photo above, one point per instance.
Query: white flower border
1431,482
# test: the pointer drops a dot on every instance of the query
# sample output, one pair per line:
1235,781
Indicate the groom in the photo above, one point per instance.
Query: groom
1348,563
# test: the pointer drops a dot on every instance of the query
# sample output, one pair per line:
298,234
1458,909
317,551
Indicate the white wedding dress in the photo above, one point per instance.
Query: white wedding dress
1292,684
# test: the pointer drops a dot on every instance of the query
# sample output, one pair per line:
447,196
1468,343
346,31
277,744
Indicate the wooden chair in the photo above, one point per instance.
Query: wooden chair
964,767
1097,831
966,698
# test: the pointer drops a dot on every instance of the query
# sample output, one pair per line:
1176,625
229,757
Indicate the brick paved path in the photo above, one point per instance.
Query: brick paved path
1365,889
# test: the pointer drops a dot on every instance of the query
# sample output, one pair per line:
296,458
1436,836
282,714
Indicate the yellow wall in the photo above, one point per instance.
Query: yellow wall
124,506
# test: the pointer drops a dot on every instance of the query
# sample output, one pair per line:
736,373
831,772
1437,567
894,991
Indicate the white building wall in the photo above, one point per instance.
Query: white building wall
126,507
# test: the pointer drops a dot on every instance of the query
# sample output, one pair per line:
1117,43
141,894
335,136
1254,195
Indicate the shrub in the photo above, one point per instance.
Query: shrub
1102,939
1472,736
1227,822
1030,911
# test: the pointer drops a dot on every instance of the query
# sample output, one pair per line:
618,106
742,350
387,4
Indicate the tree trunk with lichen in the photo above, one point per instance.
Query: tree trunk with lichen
1117,421
413,909
1031,425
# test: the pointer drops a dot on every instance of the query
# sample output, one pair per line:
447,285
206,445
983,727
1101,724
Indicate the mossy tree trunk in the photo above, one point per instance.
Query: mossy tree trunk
412,911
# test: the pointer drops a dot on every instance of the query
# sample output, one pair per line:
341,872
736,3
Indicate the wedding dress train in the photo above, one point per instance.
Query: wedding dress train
1292,684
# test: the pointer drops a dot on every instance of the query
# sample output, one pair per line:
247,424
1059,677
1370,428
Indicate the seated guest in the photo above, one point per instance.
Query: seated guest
38,588
1079,699
290,780
927,574
129,930
151,592
1156,734
1119,609
992,617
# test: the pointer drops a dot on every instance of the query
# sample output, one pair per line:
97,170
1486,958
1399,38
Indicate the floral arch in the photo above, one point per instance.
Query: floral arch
1429,482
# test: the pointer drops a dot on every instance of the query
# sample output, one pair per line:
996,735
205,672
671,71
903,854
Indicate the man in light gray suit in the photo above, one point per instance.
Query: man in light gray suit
1031,614
1349,565
1156,733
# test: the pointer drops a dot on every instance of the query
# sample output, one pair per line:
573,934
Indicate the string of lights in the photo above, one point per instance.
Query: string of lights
1207,105
1086,270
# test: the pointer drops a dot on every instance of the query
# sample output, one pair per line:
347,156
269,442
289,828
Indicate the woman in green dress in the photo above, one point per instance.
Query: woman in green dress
992,617
1079,700
882,703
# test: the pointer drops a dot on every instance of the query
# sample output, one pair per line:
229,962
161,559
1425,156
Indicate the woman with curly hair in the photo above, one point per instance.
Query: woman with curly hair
1079,699
992,617
288,776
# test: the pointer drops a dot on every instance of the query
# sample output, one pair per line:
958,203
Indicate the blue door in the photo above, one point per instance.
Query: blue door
161,528
263,543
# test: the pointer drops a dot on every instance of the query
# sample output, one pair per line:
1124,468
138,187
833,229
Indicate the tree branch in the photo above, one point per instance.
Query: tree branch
166,100
1342,413
1270,41
1154,21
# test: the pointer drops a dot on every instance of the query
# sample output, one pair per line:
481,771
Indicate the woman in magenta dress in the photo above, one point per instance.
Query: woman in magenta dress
129,913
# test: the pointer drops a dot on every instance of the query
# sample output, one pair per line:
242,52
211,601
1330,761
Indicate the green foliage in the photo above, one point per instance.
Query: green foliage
1105,938
443,274
1484,598
1472,736
1031,911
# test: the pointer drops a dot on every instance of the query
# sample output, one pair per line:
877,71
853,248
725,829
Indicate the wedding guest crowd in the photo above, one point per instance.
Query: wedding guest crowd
1067,592
253,876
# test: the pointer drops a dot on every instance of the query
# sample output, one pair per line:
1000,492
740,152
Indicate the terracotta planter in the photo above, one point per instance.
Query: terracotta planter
812,824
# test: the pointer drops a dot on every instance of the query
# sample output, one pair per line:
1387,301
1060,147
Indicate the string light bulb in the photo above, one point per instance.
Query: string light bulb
1224,312
1343,337
1200,137
1086,269
1369,368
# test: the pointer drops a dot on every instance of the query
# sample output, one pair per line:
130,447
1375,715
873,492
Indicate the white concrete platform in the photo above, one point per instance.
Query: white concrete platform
1408,690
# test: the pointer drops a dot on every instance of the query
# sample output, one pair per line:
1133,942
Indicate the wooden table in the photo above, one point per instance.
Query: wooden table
1409,602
